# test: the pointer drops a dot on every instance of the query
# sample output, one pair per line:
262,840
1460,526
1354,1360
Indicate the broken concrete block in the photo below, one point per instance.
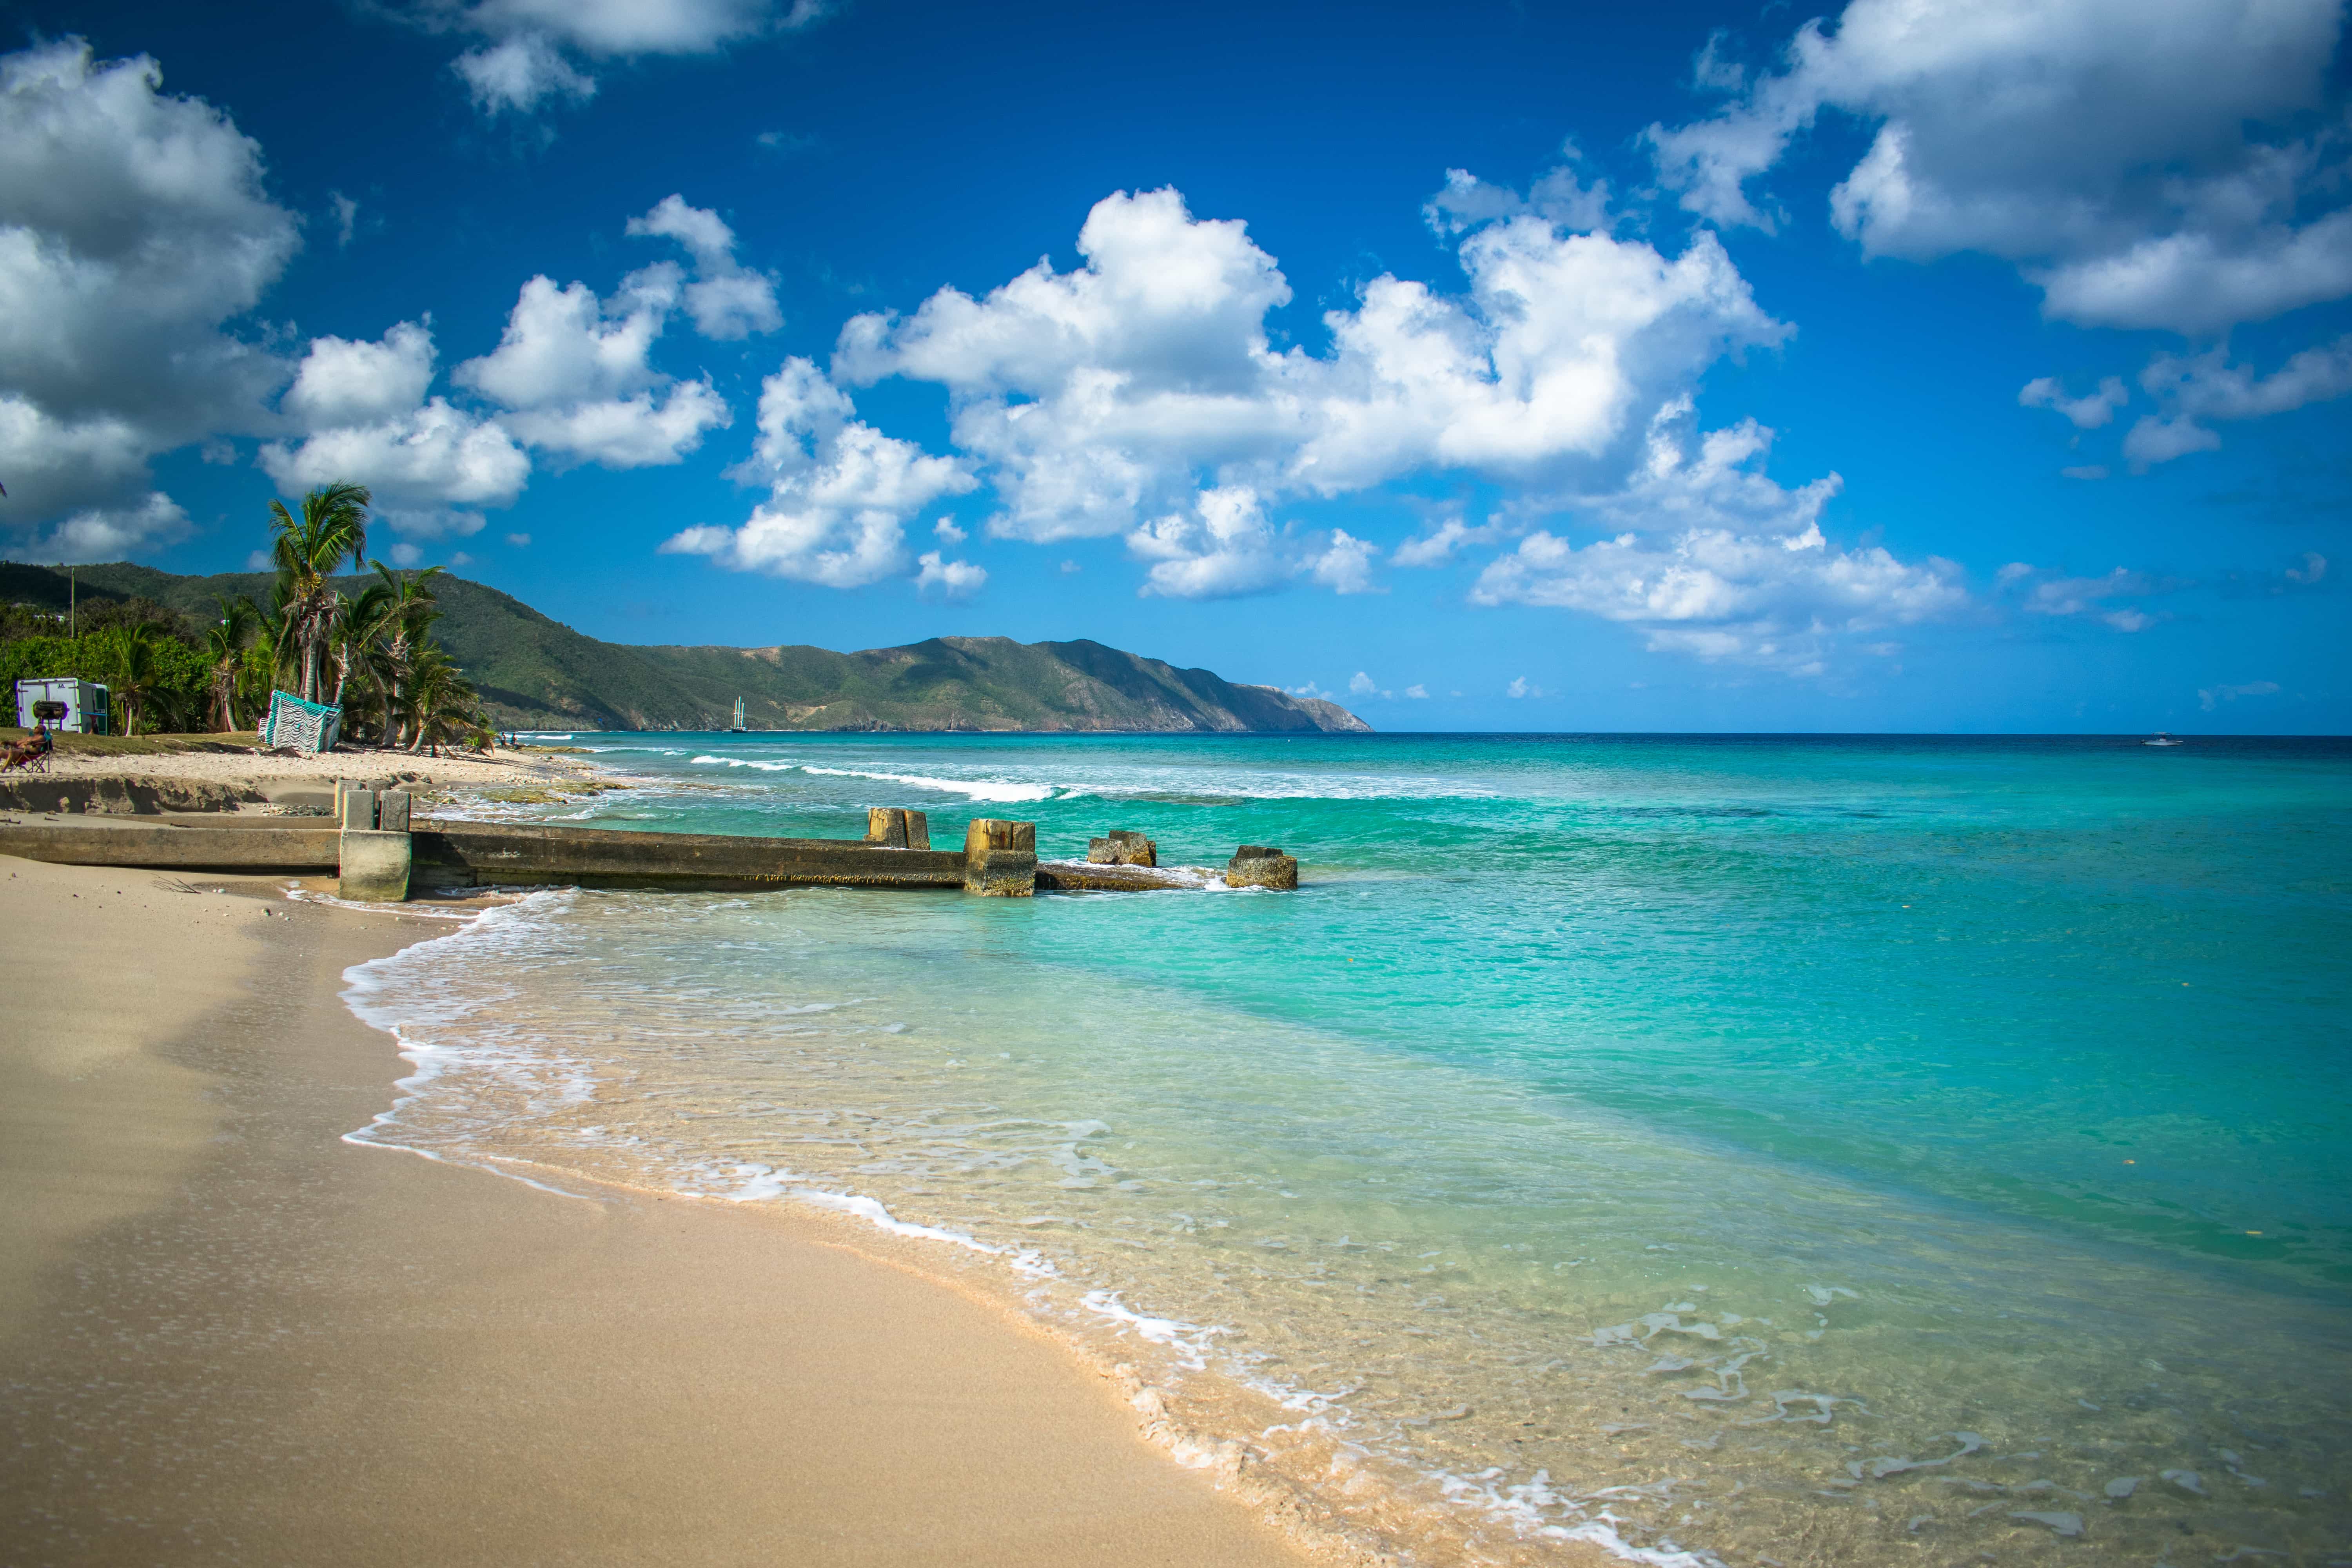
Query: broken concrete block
1261,865
1119,848
392,811
1000,858
896,828
356,809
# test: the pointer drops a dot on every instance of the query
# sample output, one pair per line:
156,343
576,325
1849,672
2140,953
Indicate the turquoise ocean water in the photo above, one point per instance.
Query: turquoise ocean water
1753,1150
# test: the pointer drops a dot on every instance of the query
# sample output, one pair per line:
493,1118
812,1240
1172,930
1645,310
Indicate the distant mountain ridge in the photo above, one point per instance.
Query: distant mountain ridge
534,673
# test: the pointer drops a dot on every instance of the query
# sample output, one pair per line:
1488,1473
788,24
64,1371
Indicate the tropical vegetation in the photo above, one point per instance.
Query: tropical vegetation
368,650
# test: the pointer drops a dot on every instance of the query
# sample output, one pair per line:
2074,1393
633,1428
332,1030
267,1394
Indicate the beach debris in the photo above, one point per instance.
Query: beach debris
2122,1486
2187,1480
1824,1295
2069,1525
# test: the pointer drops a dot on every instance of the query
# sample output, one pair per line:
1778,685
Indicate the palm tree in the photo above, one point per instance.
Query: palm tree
442,704
351,636
270,663
331,530
399,633
226,642
135,670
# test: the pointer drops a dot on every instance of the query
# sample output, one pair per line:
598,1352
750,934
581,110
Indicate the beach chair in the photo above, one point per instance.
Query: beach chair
30,754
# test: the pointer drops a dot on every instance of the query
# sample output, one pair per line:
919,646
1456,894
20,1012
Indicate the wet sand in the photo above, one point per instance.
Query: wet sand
228,1336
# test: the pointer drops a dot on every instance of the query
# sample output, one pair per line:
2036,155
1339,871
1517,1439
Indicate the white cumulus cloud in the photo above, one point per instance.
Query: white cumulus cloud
1725,563
340,382
135,230
727,300
534,50
954,579
112,532
2201,388
2145,162
1141,382
1220,548
365,418
519,73
840,491
2087,412
1344,564
576,375
419,461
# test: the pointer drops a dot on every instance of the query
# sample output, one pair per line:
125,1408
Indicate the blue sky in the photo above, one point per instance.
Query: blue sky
1919,366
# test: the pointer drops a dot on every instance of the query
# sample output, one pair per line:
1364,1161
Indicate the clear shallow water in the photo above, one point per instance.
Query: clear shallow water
1686,1131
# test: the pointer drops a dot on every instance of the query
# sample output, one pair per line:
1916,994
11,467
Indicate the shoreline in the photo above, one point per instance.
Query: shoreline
1269,1444
228,1329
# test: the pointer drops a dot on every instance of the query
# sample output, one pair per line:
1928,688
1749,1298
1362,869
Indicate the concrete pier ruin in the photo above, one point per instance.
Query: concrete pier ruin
381,853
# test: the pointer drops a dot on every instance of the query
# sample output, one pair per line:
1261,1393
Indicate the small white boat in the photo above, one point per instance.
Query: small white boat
2161,740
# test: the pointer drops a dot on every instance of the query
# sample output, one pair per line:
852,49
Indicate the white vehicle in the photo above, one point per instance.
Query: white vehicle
87,704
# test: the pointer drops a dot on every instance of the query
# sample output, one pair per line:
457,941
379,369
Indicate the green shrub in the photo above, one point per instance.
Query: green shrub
180,696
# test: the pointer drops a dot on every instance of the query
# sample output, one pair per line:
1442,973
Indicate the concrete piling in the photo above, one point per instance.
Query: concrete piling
372,851
1121,847
1000,858
372,866
895,828
354,807
1261,865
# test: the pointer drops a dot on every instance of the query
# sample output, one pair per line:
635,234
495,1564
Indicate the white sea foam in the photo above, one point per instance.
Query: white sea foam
400,994
301,895
996,791
993,790
762,1183
1191,1340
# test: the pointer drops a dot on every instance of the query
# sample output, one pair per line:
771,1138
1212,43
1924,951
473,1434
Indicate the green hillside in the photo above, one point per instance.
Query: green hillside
534,673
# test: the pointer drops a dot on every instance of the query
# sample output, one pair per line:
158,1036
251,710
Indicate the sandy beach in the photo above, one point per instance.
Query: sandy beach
225,1335
223,760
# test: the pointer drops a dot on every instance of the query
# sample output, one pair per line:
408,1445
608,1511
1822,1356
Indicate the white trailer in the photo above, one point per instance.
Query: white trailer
87,704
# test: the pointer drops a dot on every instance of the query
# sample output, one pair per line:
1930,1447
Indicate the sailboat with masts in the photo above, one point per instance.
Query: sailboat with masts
737,727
